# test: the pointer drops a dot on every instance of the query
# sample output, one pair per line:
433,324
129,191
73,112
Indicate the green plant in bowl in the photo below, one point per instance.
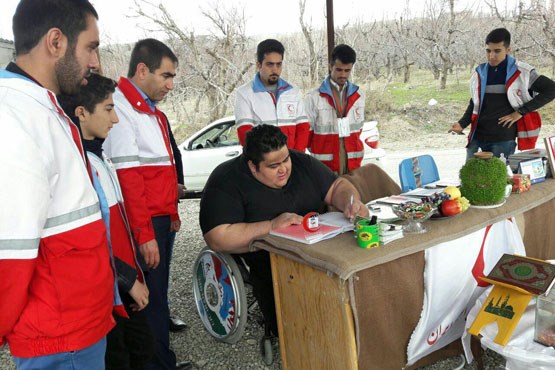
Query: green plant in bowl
483,181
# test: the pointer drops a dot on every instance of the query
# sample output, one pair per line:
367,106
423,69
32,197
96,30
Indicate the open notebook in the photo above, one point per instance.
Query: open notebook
331,224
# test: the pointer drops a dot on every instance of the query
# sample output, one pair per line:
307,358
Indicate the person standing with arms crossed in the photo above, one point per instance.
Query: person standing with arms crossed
269,99
56,280
139,147
505,94
336,114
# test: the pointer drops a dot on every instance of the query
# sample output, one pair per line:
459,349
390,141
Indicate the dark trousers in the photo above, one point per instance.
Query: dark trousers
262,287
130,344
157,311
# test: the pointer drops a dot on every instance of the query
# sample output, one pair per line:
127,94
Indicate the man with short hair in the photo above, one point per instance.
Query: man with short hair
335,111
504,92
140,149
268,187
129,344
56,279
268,99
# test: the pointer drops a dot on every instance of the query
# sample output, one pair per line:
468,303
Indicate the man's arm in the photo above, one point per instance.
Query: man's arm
459,126
244,117
121,147
302,129
235,238
345,197
24,197
545,89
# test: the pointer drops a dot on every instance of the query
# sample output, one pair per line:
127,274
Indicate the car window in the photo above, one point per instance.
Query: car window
223,134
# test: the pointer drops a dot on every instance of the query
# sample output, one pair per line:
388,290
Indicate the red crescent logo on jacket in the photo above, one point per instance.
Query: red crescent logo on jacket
357,114
518,92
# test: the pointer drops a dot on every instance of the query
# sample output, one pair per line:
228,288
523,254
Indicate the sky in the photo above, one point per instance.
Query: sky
264,18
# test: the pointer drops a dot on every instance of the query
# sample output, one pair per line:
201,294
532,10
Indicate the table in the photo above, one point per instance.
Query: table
341,307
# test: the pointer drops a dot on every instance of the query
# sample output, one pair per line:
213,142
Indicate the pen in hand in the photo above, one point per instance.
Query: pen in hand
352,201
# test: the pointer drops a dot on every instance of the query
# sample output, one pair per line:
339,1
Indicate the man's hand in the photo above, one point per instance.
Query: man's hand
175,225
139,293
456,128
181,190
150,252
286,219
509,119
356,209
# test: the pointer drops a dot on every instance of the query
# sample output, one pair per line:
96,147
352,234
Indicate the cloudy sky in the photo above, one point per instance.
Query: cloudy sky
263,18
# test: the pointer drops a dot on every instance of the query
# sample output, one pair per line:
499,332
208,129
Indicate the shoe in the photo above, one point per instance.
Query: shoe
177,324
184,365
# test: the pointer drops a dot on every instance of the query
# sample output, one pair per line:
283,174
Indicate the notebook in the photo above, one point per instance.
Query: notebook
299,234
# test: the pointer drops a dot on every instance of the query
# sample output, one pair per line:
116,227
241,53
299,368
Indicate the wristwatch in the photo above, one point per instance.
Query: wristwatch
522,111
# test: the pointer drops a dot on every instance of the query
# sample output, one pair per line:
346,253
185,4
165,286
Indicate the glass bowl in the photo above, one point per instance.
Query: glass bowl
414,214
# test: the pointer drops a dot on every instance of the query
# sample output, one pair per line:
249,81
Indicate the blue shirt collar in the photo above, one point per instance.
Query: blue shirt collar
151,103
258,86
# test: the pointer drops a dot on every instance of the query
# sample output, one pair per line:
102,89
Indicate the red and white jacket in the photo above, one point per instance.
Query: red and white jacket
55,274
139,148
123,247
255,105
518,84
324,140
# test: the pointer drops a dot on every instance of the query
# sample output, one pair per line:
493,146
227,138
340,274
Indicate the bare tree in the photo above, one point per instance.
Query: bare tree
307,30
438,32
215,63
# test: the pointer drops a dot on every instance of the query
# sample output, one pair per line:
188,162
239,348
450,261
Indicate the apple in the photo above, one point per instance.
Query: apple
450,207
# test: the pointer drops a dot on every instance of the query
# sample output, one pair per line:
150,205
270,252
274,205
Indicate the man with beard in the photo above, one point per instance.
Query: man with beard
56,279
270,100
336,113
140,149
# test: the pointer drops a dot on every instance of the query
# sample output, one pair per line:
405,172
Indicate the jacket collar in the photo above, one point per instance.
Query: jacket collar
325,87
134,96
27,86
258,86
512,67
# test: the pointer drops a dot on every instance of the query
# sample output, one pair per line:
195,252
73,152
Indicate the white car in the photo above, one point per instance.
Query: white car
218,142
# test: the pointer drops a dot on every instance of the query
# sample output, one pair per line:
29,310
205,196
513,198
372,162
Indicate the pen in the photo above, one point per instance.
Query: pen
352,201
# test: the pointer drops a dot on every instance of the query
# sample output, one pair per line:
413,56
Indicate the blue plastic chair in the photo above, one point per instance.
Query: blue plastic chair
417,171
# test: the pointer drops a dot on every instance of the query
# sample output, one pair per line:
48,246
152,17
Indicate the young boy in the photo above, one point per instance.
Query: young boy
130,343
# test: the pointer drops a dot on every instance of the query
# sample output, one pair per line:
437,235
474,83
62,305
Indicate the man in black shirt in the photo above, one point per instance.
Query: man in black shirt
268,187
504,92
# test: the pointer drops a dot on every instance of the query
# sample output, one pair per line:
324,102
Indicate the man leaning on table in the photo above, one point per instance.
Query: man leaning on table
504,91
268,187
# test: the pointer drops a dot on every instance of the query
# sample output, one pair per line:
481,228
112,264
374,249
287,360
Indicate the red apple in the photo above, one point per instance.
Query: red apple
450,207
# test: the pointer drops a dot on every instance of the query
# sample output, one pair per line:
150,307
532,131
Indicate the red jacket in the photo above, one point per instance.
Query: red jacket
324,141
139,147
55,275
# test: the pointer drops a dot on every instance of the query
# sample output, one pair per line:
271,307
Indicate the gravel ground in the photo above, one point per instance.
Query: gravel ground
195,343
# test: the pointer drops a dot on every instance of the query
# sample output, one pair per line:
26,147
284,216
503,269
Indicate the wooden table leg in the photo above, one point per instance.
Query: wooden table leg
477,351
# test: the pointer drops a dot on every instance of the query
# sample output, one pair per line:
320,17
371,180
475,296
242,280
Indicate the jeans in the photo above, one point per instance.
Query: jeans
89,358
497,148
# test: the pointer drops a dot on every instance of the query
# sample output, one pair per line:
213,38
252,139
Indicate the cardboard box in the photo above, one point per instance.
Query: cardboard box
521,183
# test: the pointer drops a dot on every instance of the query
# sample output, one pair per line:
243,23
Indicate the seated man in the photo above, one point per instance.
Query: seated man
268,187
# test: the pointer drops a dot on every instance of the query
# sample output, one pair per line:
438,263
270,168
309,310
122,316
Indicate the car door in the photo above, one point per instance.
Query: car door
206,149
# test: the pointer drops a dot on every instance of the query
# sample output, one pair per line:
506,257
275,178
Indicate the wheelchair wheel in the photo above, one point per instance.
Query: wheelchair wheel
220,295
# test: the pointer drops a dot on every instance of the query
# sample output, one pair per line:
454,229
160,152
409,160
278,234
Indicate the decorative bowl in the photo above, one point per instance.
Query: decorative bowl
414,214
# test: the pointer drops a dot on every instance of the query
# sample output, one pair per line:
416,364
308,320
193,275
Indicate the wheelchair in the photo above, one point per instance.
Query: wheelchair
220,281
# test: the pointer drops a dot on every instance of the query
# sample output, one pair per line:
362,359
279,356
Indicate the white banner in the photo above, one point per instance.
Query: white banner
451,284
